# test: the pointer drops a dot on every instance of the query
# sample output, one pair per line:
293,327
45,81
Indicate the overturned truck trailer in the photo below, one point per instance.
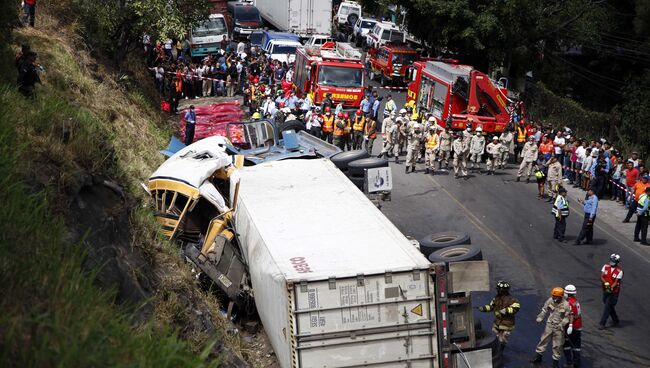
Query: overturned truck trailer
335,283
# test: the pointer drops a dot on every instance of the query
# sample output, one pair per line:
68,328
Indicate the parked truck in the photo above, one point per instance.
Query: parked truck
330,295
302,17
458,95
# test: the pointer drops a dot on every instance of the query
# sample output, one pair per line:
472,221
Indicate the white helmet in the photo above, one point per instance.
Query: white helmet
432,119
479,129
570,290
402,111
614,258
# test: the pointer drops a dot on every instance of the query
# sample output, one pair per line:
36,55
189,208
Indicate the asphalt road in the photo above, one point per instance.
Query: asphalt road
514,230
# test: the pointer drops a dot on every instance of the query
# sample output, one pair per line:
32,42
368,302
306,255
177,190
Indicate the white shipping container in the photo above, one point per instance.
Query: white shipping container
303,17
336,284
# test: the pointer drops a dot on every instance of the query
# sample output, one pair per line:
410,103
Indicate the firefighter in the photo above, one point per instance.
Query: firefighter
347,131
476,149
414,139
402,132
554,177
357,130
445,148
339,131
529,155
507,147
504,306
369,134
493,151
561,212
611,276
328,125
431,145
460,147
386,126
559,315
573,342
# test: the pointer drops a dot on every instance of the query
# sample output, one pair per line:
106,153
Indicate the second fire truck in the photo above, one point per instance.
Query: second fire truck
331,68
459,95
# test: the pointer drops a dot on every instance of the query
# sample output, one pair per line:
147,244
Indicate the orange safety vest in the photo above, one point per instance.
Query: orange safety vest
328,123
370,129
179,85
348,126
338,131
521,134
432,142
358,123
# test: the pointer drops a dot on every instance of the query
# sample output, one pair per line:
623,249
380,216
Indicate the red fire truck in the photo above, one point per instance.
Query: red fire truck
390,62
331,68
460,92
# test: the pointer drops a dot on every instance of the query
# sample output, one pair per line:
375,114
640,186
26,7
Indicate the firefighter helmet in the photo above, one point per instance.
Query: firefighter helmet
495,138
262,88
340,115
327,109
501,284
615,258
256,80
479,129
557,292
570,289
402,111
257,116
281,105
432,119
346,115
358,113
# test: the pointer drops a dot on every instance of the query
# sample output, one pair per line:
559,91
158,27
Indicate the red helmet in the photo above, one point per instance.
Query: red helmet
340,115
327,109
358,112
262,88
346,115
256,80
281,105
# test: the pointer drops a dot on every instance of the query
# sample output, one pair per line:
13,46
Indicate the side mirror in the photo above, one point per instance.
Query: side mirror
256,136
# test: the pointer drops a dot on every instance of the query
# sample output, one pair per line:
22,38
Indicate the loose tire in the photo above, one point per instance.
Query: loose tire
352,19
434,242
342,159
295,125
457,253
357,167
357,181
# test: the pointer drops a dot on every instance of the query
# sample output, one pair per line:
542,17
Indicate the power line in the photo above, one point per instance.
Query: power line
613,80
588,78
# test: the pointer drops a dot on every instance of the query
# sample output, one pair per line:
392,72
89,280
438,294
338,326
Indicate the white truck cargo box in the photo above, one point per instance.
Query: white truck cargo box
303,17
336,284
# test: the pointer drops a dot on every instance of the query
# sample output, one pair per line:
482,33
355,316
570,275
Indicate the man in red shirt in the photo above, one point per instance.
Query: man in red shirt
573,342
611,276
635,193
29,10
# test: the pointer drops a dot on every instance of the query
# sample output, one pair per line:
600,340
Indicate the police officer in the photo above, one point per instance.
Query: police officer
431,145
504,306
573,342
611,275
414,139
461,148
493,150
561,212
476,149
445,148
559,315
642,210
590,207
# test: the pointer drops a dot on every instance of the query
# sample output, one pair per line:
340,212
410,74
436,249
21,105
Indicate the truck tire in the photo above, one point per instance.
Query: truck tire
352,18
295,125
357,181
357,167
457,253
434,242
342,159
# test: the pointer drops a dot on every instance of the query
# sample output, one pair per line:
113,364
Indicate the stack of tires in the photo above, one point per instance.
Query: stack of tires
354,163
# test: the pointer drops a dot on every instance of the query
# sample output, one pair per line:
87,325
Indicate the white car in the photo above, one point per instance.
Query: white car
361,29
346,9
318,40
384,32
283,50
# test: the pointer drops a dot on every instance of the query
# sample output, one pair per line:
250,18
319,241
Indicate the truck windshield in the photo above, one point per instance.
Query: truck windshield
212,27
247,14
345,10
283,49
396,36
403,58
340,77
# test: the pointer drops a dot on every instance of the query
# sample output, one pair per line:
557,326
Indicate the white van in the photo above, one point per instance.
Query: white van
345,10
384,32
205,37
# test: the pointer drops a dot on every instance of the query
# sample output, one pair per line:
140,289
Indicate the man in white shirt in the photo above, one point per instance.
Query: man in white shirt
558,146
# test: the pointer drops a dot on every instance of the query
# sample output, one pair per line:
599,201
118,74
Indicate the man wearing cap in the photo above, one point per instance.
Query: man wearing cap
642,210
529,156
493,150
561,212
476,149
590,207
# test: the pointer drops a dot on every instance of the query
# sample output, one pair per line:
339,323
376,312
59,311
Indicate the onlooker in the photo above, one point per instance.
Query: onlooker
29,12
190,122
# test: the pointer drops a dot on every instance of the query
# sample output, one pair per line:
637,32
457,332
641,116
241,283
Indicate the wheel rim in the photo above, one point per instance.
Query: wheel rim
444,239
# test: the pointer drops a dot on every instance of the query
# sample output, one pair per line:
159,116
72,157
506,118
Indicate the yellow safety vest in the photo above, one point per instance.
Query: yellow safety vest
521,134
358,123
432,142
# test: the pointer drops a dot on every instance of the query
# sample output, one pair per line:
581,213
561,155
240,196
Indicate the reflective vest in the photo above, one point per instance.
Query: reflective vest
432,142
576,311
539,174
611,273
328,123
641,203
561,207
179,85
358,123
521,134
339,128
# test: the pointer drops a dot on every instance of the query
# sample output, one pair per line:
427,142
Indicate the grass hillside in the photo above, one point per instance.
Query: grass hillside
84,128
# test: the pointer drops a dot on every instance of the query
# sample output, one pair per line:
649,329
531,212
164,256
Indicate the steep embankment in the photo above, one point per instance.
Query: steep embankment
85,281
